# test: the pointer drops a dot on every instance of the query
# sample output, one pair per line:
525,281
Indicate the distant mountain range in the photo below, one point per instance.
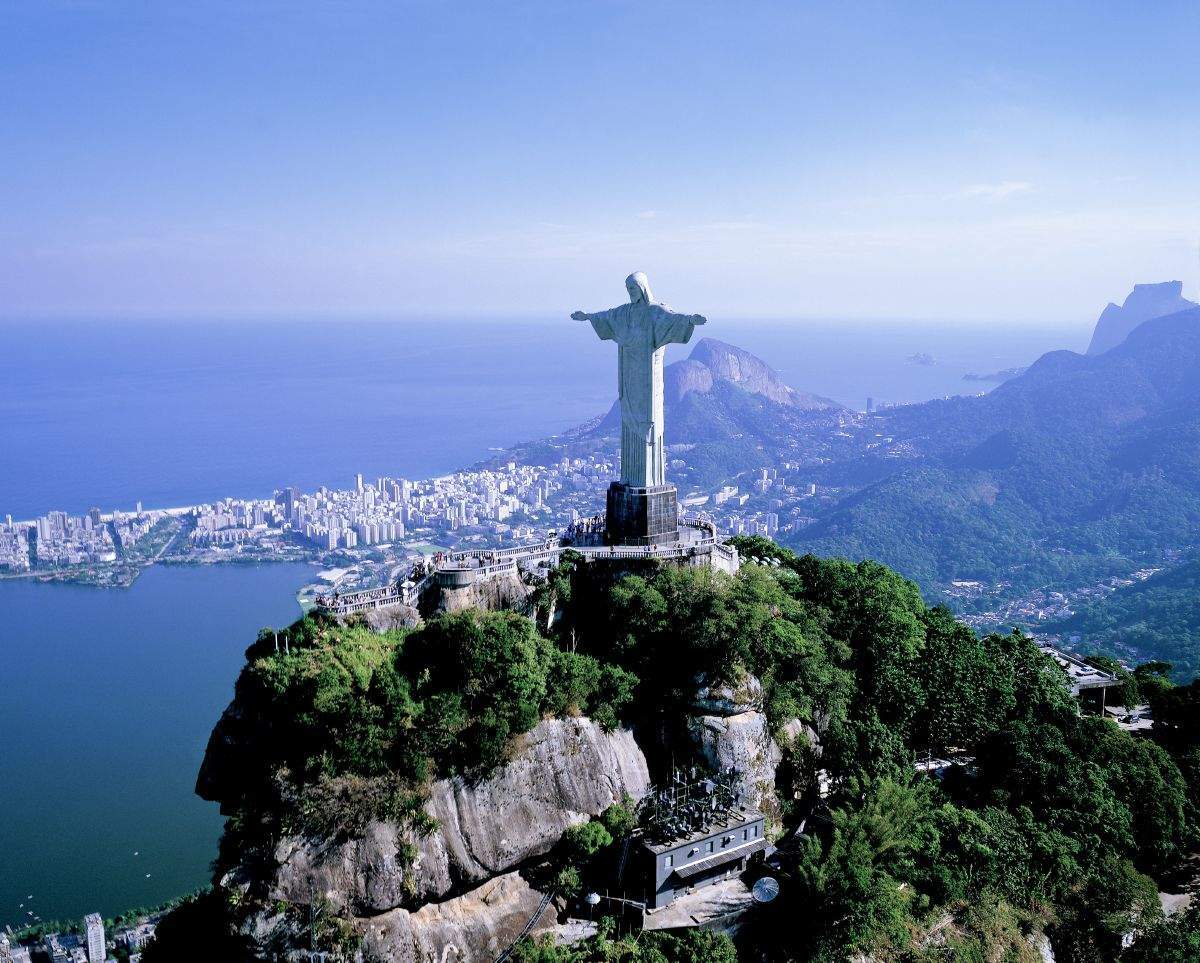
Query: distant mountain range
715,364
727,409
1059,472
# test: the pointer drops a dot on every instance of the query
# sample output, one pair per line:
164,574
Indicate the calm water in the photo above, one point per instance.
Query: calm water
107,696
107,700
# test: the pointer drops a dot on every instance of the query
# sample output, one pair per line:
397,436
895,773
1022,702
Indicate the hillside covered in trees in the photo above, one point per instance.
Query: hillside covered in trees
1069,472
343,737
1160,615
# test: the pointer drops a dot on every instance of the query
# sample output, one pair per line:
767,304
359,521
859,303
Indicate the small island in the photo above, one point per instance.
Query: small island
997,376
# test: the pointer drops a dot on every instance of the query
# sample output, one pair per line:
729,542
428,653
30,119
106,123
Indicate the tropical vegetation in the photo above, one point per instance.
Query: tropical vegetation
1060,824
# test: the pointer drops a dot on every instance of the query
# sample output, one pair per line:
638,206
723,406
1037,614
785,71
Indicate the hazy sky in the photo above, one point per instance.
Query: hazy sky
957,160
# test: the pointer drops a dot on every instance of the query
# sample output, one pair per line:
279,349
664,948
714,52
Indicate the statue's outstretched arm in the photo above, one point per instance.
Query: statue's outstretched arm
673,328
602,322
595,316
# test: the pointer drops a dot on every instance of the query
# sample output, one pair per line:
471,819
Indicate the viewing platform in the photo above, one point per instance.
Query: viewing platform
1082,677
698,543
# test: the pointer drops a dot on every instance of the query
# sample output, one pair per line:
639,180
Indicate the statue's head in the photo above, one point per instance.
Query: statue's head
638,286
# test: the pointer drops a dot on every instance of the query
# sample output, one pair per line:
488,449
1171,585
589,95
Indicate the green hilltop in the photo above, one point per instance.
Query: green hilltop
1063,825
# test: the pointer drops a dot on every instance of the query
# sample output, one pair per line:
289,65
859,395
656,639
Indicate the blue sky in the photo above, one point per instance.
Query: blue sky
984,162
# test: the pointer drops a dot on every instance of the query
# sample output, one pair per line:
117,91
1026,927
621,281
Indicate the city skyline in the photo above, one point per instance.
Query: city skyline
980,162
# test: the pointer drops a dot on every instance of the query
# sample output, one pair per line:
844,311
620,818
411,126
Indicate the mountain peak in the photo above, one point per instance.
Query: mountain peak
713,361
1145,301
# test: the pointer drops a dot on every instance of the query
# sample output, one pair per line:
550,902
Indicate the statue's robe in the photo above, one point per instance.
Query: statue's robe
642,331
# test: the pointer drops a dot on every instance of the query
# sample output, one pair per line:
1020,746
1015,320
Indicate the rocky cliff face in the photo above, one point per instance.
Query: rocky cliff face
730,731
742,742
455,892
478,925
491,595
562,772
1146,301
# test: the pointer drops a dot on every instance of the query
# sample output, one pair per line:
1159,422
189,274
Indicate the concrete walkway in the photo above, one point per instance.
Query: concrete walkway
716,907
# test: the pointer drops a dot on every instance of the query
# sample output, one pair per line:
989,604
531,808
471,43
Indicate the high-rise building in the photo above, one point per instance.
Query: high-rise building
358,483
94,931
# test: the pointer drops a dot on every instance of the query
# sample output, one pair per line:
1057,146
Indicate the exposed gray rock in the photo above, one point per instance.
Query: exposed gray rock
490,595
720,699
562,772
794,731
392,617
1040,942
742,742
732,364
476,926
684,377
714,363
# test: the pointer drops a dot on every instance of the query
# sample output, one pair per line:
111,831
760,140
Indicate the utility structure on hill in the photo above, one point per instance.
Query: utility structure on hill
695,832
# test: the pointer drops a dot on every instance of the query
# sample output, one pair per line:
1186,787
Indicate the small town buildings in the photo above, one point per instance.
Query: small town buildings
10,953
53,949
136,938
1085,682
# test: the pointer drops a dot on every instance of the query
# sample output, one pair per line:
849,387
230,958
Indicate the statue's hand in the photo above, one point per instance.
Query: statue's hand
579,316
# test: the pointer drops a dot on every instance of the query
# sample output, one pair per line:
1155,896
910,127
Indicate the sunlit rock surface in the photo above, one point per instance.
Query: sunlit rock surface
562,772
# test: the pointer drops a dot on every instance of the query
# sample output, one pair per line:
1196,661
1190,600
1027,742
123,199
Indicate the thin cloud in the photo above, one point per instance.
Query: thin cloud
995,192
647,215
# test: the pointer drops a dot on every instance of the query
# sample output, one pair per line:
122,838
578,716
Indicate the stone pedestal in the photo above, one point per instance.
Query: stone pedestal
642,516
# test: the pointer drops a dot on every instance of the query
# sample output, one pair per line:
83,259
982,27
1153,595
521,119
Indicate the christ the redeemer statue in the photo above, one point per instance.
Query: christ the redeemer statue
642,507
642,329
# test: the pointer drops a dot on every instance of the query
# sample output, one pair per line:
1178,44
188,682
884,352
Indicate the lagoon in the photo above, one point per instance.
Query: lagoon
107,698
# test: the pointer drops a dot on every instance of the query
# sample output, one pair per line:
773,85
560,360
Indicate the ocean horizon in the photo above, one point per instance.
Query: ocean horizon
180,413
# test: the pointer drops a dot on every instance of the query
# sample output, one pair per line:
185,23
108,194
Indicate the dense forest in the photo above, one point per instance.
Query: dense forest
1062,825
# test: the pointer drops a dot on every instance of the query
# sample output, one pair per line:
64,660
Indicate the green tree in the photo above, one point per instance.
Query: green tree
1176,940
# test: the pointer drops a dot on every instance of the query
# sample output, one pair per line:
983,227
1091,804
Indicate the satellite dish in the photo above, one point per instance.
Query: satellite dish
765,890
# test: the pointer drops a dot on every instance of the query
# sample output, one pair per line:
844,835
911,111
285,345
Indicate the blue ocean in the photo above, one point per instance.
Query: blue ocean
107,696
